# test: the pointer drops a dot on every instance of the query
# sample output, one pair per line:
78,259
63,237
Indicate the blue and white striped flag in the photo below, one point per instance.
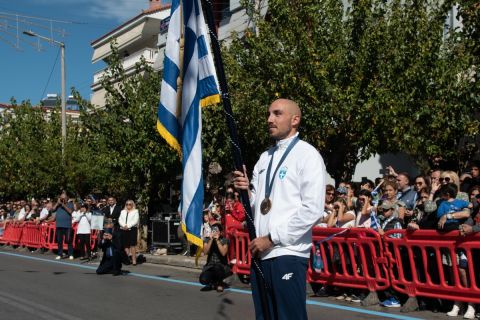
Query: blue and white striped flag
374,224
182,126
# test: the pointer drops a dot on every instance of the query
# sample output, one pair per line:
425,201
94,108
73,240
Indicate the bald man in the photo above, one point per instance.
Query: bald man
287,193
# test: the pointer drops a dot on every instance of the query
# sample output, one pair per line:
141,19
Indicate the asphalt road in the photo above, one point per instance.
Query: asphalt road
35,286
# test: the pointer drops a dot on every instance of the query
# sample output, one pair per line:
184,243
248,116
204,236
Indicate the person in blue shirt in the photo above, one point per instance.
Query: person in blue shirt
451,212
63,224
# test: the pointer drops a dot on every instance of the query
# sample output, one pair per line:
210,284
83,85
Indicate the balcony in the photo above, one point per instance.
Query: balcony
128,63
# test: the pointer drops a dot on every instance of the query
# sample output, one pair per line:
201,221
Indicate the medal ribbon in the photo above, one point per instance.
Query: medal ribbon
269,184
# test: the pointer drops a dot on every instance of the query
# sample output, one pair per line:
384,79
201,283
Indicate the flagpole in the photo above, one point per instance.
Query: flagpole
180,67
237,152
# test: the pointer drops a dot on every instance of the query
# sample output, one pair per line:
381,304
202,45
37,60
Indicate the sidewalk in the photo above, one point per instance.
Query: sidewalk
176,260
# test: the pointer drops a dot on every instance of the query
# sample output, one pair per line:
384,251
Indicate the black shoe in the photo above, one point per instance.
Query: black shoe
117,273
207,288
322,293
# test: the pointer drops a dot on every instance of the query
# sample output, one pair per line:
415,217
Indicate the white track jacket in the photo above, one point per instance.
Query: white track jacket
298,197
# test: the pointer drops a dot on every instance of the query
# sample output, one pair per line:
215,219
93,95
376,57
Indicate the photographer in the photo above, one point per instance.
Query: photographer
63,223
83,217
112,251
342,217
364,209
234,207
216,269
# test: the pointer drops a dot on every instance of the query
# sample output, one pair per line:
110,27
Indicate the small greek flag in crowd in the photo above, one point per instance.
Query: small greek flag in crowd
179,118
374,224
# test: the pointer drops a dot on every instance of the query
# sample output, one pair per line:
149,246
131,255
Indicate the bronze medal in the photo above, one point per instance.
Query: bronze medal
265,206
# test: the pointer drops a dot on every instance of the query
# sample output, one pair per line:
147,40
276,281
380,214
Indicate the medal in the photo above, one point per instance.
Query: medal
265,206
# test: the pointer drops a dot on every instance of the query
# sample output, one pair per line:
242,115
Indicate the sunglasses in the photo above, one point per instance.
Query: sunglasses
419,183
129,204
331,193
446,179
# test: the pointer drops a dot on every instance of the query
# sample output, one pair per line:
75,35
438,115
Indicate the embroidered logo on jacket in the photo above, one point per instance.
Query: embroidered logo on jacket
282,172
287,276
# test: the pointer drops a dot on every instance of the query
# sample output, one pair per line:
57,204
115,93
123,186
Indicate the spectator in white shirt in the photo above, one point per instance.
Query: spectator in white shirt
83,217
128,222
47,206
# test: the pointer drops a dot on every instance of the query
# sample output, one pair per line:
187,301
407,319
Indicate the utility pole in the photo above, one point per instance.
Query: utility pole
63,102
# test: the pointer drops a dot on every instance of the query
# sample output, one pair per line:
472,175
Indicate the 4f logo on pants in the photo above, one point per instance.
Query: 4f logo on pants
287,276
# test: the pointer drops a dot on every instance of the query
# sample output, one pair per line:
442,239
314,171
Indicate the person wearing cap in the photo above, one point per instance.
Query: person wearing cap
389,221
390,198
342,192
287,196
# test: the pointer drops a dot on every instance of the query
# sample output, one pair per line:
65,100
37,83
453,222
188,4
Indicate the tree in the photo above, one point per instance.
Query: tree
31,153
377,76
122,136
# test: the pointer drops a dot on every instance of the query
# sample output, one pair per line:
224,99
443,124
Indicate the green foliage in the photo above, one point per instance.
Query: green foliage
131,158
375,77
31,153
378,76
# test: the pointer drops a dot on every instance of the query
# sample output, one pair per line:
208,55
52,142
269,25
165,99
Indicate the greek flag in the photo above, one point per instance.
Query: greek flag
374,224
179,117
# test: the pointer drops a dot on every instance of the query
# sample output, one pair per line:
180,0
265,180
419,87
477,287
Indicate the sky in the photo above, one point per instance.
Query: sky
25,72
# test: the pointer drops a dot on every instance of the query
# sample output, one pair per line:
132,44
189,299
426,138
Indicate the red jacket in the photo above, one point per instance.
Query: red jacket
238,212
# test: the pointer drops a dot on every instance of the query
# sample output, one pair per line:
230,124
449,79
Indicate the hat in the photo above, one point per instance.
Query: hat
387,205
342,190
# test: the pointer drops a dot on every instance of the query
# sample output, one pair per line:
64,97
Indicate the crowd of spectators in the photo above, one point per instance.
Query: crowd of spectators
67,212
442,200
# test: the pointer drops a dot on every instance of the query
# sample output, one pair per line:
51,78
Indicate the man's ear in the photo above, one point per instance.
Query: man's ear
295,120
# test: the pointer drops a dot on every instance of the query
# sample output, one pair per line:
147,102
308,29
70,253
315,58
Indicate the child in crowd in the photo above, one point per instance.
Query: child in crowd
206,228
388,220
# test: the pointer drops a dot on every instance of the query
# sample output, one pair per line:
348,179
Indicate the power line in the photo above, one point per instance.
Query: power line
50,76
10,43
34,45
40,18
41,26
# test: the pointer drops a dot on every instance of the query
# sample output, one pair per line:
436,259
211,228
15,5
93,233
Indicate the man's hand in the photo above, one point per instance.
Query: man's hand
435,186
391,171
260,245
241,181
412,226
465,229
441,222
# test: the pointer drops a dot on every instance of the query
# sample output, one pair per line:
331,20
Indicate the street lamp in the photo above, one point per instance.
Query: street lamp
64,115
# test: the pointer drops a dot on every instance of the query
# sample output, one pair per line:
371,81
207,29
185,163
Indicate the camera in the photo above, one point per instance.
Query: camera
383,172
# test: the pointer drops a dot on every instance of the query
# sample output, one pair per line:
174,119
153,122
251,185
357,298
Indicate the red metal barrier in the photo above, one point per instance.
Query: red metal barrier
241,255
33,235
43,235
12,234
238,253
51,237
353,259
420,264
